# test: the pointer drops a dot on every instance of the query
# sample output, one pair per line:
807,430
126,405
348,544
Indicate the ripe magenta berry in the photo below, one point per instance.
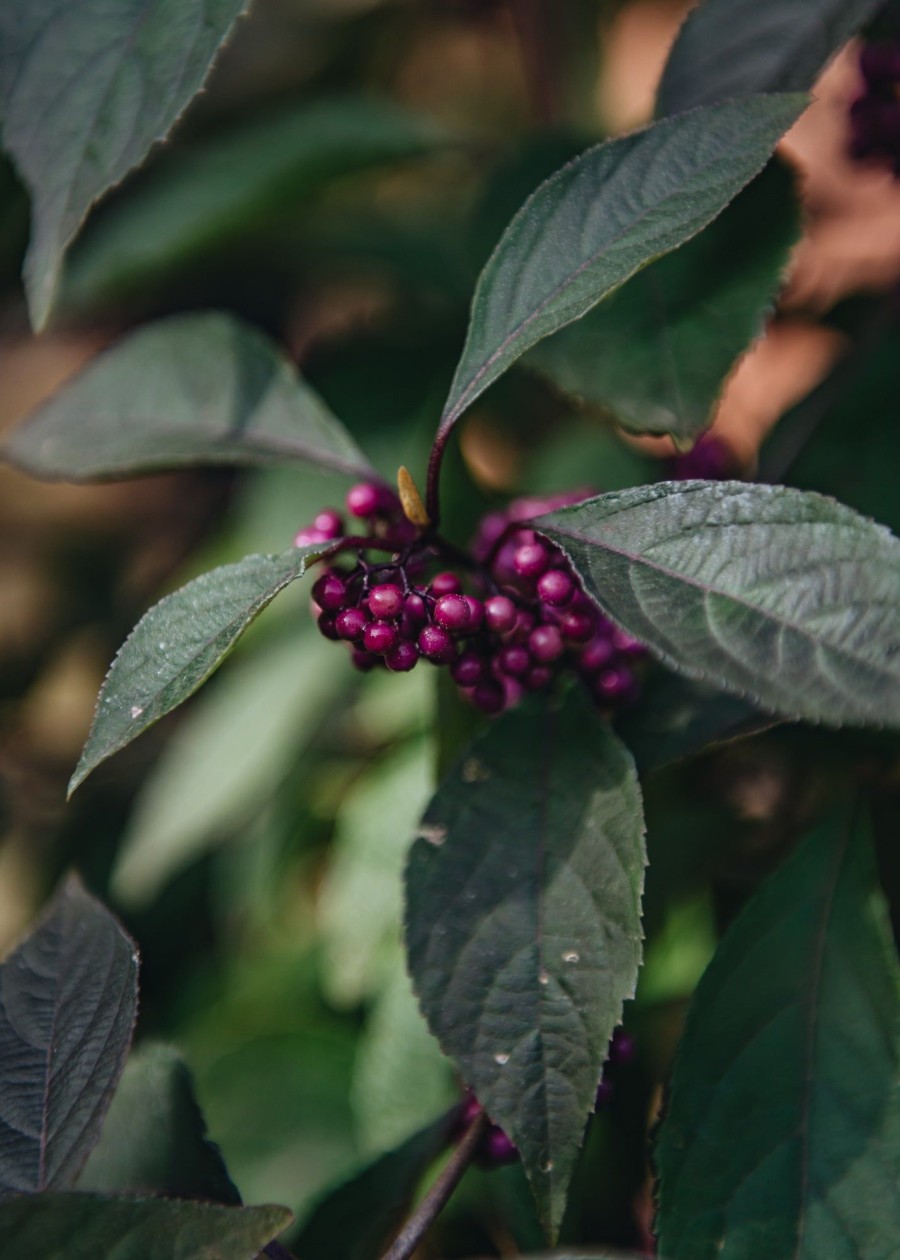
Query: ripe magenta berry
330,523
538,678
614,683
364,660
598,653
545,643
452,612
415,609
306,537
385,601
402,657
514,659
445,584
576,625
625,644
476,612
531,560
363,499
555,588
500,613
325,622
436,644
351,624
489,696
330,592
379,637
498,1149
468,670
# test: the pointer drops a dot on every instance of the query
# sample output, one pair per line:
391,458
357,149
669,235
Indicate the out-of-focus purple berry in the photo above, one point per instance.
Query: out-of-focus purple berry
545,643
351,624
364,499
379,637
468,669
604,1094
309,536
709,459
514,659
330,523
325,622
452,612
385,601
330,592
476,612
596,654
555,587
614,683
628,646
576,625
436,643
402,657
489,696
500,613
531,560
497,1148
445,584
538,678
622,1047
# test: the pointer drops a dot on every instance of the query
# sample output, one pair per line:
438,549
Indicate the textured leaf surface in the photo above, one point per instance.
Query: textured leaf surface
154,1136
523,924
787,598
88,1227
657,351
207,195
193,389
782,1136
600,219
353,1220
732,48
177,644
86,87
68,998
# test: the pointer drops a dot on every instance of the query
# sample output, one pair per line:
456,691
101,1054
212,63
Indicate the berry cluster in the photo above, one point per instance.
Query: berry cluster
505,625
875,114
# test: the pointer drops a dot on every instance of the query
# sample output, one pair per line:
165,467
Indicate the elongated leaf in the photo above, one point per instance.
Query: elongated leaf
786,598
782,1136
175,647
193,389
733,48
154,1136
600,219
353,1220
523,924
72,1226
205,196
86,87
657,351
68,999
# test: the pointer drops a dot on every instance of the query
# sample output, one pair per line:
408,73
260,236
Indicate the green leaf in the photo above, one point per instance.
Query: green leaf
231,187
738,48
85,89
78,1226
600,219
523,924
352,1220
68,999
782,1135
788,599
657,352
175,647
192,389
210,778
154,1136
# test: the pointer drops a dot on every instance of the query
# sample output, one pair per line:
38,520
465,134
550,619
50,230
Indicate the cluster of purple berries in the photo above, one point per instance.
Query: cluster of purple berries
875,114
517,617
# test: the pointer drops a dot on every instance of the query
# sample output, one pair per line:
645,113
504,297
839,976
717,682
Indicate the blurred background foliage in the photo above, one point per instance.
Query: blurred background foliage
339,183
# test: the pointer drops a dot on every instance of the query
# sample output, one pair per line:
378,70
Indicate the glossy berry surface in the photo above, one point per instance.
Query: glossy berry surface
385,601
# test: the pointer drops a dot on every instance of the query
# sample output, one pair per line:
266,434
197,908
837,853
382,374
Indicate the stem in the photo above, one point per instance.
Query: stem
425,1214
432,484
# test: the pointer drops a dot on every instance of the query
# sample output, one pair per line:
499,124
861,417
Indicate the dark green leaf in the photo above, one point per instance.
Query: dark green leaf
786,598
177,644
213,192
68,999
154,1137
523,924
352,1221
87,1227
782,1136
600,219
732,48
657,352
193,389
85,89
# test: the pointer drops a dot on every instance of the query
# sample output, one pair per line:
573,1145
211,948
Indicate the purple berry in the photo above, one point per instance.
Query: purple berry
402,657
598,653
330,523
325,622
514,659
351,624
476,611
385,601
379,637
538,678
330,592
622,1048
625,644
308,536
498,1149
489,696
545,643
555,587
468,670
364,499
576,625
531,560
437,645
500,613
445,584
452,612
364,660
415,608
614,683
